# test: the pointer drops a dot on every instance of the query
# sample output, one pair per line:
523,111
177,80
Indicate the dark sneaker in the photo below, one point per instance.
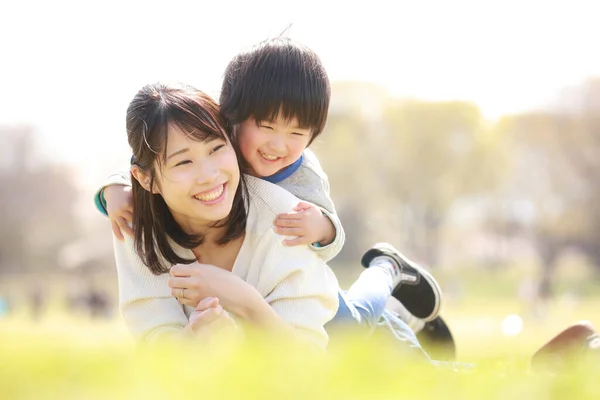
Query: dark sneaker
417,290
437,340
569,347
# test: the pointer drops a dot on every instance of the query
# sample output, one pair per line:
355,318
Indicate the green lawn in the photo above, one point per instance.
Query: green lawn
71,357
74,358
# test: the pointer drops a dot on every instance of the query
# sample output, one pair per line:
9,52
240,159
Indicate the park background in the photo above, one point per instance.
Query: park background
466,133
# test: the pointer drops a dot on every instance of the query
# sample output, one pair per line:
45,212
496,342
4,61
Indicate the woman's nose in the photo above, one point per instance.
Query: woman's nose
207,172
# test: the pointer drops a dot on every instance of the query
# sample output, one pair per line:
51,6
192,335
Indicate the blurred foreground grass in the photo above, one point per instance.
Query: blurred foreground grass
70,356
63,357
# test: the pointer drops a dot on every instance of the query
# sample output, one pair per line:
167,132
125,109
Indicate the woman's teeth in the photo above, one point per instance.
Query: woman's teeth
212,195
268,156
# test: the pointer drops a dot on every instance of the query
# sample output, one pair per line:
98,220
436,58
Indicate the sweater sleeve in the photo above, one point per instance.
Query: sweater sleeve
300,287
145,300
332,249
118,178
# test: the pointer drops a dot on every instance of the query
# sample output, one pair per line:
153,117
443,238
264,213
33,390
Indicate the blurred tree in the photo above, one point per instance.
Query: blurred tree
558,170
432,155
396,167
37,205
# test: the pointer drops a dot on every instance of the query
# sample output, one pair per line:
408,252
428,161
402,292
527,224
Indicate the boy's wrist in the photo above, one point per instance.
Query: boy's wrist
329,229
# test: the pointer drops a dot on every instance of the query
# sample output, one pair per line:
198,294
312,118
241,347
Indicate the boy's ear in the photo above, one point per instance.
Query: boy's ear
143,178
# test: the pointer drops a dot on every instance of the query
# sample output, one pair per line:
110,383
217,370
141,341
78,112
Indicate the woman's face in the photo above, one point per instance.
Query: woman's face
198,180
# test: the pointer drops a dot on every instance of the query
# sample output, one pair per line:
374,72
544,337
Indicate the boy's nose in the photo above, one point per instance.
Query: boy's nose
277,145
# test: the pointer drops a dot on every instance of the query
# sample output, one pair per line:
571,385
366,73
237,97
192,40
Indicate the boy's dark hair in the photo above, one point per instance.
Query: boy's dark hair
277,76
153,109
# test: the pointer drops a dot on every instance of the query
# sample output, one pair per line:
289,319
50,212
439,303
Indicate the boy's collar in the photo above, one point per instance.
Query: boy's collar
284,173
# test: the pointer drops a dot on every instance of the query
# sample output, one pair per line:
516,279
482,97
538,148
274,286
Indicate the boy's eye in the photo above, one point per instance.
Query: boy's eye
267,127
298,133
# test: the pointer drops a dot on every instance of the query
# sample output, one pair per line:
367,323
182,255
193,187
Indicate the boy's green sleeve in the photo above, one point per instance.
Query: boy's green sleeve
119,178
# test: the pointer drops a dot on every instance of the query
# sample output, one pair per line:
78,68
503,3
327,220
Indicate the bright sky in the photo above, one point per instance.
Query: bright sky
71,67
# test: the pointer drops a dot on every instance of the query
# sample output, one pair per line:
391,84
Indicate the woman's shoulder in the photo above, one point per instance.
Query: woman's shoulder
266,201
269,198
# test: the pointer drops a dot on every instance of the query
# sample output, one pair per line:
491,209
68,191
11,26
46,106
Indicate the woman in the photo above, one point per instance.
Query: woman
192,206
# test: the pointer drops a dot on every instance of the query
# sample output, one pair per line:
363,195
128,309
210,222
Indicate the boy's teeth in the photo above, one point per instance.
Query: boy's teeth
211,196
268,156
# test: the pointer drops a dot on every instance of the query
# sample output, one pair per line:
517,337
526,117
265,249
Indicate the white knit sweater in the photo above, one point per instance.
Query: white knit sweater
294,281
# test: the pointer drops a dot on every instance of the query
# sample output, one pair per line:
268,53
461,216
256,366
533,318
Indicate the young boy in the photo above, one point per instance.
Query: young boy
276,98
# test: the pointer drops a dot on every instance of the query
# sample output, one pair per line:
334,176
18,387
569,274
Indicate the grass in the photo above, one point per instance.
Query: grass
64,357
72,357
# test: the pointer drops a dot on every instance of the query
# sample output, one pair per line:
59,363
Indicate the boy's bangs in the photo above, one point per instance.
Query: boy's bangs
309,109
288,111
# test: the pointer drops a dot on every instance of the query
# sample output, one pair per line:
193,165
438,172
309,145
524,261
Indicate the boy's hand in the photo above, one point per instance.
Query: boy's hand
308,223
119,206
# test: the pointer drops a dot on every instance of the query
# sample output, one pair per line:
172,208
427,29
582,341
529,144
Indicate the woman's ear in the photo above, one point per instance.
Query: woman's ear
143,178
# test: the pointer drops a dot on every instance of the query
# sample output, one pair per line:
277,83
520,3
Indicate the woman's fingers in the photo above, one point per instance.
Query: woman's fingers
208,302
204,304
199,319
189,302
180,282
183,270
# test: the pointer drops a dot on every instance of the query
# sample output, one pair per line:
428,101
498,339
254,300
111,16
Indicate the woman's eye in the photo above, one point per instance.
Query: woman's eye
217,148
182,163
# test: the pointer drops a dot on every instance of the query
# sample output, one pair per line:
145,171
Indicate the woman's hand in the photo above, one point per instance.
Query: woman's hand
211,323
210,317
194,282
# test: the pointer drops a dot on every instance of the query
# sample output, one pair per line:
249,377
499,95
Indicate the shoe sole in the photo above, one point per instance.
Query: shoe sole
421,299
437,340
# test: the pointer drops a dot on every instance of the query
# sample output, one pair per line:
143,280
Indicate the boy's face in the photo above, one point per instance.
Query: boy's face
269,147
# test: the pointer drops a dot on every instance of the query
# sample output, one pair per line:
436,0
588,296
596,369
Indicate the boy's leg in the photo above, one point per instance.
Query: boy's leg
387,272
407,340
370,292
346,312
434,336
365,301
417,290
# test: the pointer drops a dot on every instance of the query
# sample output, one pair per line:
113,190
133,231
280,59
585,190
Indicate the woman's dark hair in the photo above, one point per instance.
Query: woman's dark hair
153,109
277,76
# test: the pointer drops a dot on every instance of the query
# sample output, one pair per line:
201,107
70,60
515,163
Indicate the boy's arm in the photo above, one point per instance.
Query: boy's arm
323,201
310,183
118,178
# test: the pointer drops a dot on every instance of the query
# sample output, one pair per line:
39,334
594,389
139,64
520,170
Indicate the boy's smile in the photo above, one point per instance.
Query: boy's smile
270,146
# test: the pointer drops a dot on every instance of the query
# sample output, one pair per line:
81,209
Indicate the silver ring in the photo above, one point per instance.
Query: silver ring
183,293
